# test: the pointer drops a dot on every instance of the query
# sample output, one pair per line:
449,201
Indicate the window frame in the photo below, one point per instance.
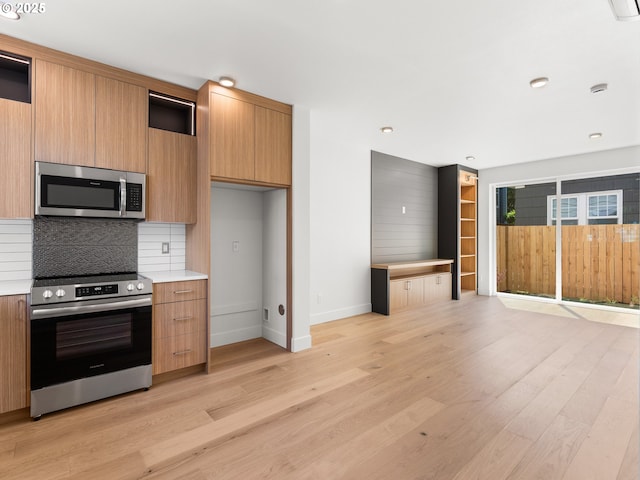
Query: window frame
583,216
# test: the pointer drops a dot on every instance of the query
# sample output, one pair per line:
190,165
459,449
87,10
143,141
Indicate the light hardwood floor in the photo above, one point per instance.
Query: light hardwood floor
458,390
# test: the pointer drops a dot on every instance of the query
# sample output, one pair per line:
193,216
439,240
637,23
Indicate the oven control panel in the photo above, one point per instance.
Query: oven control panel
97,290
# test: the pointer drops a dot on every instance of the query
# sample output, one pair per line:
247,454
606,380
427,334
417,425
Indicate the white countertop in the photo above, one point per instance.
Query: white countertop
15,287
173,276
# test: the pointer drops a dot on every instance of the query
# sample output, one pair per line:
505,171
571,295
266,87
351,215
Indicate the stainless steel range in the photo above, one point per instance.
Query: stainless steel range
90,339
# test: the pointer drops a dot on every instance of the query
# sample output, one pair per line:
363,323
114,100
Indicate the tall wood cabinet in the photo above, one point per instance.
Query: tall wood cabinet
13,352
65,113
15,159
457,225
121,125
249,137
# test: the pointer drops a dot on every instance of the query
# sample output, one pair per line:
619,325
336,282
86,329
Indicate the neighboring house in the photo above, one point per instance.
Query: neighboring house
589,201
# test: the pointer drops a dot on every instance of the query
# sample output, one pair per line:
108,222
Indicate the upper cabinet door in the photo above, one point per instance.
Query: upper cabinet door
121,125
15,158
171,180
273,146
232,138
65,114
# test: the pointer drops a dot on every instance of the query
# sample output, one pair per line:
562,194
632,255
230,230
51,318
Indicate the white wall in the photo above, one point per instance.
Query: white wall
301,195
340,220
236,276
605,162
274,266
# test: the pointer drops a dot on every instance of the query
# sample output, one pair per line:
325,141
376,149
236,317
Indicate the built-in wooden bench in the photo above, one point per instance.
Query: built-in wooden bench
401,285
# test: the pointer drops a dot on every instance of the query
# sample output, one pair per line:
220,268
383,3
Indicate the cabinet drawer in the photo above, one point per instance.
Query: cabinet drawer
172,353
179,291
178,318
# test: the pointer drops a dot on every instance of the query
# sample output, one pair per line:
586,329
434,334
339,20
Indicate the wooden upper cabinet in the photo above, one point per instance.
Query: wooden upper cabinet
65,114
232,138
171,177
273,146
13,353
121,125
249,137
15,159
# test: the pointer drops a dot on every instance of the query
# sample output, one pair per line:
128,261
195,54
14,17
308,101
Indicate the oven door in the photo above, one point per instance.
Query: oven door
89,338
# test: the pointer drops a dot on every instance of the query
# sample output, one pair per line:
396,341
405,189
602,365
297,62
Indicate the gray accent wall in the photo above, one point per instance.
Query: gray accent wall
397,236
70,246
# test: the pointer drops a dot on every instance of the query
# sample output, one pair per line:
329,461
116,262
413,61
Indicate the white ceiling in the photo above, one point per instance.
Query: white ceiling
452,77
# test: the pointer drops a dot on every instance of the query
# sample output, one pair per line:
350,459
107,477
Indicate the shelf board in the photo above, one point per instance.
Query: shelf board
467,238
466,274
466,255
462,200
467,219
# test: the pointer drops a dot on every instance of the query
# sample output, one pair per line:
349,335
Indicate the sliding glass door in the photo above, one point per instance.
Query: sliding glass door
577,240
600,240
525,242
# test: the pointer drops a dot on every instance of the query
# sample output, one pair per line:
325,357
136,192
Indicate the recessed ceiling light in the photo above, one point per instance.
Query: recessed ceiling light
386,129
470,158
227,82
601,87
595,135
7,11
539,82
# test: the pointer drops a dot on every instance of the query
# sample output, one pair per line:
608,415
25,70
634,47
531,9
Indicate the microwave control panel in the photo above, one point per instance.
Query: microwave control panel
134,197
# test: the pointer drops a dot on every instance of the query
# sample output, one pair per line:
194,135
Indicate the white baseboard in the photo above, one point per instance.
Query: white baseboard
301,343
340,313
274,336
235,336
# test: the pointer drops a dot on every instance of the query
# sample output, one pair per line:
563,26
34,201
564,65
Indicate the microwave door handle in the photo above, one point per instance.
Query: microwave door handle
123,197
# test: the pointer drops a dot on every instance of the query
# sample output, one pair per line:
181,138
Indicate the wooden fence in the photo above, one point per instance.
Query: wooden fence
599,262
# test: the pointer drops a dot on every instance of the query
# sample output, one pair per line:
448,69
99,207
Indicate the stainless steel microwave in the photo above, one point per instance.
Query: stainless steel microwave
74,191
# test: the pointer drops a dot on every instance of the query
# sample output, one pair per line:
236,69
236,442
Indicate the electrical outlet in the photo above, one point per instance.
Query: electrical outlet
165,247
319,299
235,246
265,315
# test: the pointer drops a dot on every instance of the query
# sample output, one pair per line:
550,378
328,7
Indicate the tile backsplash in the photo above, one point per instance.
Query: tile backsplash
15,249
70,246
151,236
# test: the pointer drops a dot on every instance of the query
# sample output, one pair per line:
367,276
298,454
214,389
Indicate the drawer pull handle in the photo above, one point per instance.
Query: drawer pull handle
177,292
182,352
182,319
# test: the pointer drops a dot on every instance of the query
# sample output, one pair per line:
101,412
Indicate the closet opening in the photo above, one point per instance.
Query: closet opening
249,253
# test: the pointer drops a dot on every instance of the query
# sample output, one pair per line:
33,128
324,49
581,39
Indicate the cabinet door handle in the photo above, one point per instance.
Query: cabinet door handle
178,292
181,352
182,319
438,280
408,284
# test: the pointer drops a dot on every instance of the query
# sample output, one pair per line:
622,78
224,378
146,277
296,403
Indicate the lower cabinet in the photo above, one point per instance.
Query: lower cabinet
406,292
13,353
179,325
403,285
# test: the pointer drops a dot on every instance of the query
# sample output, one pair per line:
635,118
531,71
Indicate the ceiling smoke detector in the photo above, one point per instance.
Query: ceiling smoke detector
599,88
625,10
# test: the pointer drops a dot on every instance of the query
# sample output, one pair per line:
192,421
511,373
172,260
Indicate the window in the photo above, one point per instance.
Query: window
589,208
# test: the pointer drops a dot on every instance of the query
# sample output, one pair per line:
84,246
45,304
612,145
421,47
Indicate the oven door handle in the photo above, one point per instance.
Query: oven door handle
49,312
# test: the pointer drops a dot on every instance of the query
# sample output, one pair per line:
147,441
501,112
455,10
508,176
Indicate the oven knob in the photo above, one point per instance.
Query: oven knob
130,287
60,293
140,286
47,294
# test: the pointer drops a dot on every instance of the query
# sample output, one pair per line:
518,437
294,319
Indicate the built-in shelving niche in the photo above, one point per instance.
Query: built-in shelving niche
172,114
15,77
